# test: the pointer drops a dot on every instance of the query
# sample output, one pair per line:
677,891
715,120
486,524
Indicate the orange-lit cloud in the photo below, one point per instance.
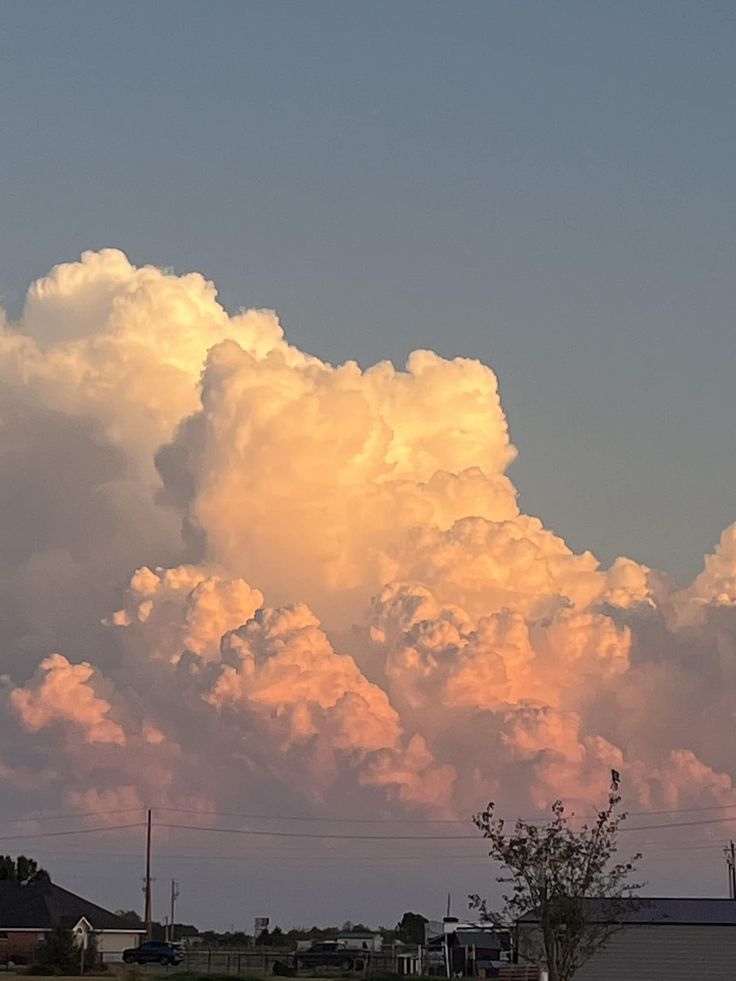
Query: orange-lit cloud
265,572
65,693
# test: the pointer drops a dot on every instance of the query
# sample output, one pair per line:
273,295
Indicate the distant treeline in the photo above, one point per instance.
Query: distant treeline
409,929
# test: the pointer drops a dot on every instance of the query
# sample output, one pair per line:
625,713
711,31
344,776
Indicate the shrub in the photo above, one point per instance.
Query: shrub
58,951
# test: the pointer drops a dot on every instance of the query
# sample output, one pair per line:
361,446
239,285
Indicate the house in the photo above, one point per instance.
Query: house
28,913
653,938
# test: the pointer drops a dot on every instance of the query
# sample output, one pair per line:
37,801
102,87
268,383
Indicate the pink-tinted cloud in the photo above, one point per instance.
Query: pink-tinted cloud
332,593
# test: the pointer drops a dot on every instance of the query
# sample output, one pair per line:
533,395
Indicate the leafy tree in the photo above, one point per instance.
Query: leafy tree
410,928
22,870
130,916
552,870
264,938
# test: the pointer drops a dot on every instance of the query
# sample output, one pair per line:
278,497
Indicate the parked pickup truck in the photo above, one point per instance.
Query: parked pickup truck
330,953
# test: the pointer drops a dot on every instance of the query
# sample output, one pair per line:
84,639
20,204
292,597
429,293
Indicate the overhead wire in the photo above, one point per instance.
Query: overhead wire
333,819
317,835
417,821
439,837
74,831
70,815
308,819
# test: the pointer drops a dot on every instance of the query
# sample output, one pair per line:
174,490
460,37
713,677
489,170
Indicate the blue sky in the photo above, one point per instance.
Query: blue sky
547,187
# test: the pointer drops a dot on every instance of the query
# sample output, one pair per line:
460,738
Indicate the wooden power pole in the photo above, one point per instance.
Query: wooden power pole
174,897
149,922
730,853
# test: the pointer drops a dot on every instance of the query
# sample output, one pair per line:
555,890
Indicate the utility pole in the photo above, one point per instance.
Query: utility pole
730,853
174,897
148,917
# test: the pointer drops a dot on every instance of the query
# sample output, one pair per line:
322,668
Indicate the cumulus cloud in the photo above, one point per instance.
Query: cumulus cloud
187,608
332,467
62,692
252,571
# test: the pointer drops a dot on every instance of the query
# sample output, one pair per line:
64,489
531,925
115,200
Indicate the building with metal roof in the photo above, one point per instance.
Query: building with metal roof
654,939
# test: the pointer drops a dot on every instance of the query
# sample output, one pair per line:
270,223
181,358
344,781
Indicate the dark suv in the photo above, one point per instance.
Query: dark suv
329,953
154,952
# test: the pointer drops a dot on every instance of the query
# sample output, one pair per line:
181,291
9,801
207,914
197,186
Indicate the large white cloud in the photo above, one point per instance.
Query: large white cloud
315,581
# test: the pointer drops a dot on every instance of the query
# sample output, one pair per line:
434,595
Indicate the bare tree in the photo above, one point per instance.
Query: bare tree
566,878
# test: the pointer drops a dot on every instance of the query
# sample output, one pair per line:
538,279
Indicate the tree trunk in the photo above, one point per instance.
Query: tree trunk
550,949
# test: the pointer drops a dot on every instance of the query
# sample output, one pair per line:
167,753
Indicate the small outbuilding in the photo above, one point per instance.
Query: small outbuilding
654,939
29,912
464,949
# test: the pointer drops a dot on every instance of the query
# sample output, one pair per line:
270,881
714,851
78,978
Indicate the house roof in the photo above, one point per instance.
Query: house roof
655,910
44,905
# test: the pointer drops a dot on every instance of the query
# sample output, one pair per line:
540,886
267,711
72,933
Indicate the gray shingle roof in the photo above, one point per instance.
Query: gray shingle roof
654,909
44,905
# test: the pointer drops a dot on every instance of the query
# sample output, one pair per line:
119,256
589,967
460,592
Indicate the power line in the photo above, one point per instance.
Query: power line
324,836
326,819
331,819
306,818
417,821
278,852
318,834
75,814
77,831
320,860
683,810
370,837
679,824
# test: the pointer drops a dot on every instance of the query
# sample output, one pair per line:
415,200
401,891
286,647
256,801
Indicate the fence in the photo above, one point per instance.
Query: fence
519,972
236,962
255,960
260,961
